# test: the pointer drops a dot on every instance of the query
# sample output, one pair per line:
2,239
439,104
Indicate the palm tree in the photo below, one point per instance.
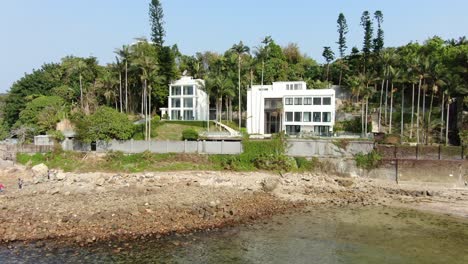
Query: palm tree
76,66
239,49
395,75
124,53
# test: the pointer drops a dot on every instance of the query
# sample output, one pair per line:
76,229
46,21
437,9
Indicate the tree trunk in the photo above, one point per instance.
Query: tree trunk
429,118
341,74
386,101
380,105
81,92
441,137
417,111
366,116
391,111
424,111
240,99
402,113
226,102
149,114
362,118
328,70
126,87
412,114
120,91
447,121
230,109
145,110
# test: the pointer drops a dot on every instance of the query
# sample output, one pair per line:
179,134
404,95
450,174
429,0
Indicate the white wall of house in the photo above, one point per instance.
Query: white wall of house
187,100
298,108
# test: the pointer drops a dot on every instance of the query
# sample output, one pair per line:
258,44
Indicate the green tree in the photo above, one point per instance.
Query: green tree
329,57
156,15
43,113
366,23
342,31
4,131
240,49
105,124
39,82
379,40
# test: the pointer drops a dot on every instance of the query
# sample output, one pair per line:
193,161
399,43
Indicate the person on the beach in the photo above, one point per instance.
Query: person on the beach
2,187
20,183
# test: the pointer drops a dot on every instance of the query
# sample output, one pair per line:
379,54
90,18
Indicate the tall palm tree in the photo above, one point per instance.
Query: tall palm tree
395,75
239,49
124,54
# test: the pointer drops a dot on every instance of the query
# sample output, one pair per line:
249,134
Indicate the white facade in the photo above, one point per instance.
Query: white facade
187,100
290,107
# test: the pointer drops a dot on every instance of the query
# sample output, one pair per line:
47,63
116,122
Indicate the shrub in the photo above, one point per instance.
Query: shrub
368,161
190,134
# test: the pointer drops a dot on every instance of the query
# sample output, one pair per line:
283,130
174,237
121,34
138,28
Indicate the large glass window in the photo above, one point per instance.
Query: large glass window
188,102
307,117
289,116
327,101
307,100
175,90
316,117
188,90
288,101
317,100
298,101
297,116
175,102
293,130
175,115
188,115
326,117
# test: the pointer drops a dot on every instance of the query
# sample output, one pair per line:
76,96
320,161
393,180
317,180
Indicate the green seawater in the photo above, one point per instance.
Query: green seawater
325,235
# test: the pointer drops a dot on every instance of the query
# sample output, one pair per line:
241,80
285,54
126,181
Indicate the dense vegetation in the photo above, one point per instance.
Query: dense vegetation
418,90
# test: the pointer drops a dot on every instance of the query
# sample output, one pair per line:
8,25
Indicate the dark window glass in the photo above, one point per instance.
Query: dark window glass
327,101
317,117
297,116
317,100
289,116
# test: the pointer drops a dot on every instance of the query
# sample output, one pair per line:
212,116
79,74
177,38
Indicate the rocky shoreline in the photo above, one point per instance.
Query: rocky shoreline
95,207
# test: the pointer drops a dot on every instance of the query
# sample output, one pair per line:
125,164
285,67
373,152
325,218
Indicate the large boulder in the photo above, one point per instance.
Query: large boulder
40,170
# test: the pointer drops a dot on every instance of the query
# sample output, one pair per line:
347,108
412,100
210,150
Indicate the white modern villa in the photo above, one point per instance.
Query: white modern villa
290,107
187,100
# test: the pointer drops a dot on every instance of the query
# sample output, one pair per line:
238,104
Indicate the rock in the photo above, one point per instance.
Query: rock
40,170
269,184
212,204
344,182
54,191
60,176
100,181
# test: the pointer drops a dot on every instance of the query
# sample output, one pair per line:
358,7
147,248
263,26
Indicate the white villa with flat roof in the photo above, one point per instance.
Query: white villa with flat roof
187,100
290,107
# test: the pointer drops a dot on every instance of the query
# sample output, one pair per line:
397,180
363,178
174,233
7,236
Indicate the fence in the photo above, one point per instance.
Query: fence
138,146
421,152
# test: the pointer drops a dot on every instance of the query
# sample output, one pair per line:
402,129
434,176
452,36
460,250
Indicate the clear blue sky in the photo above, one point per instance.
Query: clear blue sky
34,32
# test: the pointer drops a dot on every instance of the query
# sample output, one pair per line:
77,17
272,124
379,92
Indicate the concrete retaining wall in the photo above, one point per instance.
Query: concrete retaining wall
327,148
138,146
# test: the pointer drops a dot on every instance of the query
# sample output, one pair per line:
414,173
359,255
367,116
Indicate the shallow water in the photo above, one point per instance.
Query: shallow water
333,235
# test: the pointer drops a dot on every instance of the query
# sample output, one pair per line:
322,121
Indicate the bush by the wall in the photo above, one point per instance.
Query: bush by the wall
190,134
368,161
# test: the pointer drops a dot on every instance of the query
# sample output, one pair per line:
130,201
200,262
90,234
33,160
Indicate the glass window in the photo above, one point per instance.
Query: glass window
293,130
289,116
307,100
188,102
287,86
175,90
296,86
317,117
317,100
326,117
288,101
188,90
297,100
175,115
327,101
175,102
297,116
307,117
188,115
